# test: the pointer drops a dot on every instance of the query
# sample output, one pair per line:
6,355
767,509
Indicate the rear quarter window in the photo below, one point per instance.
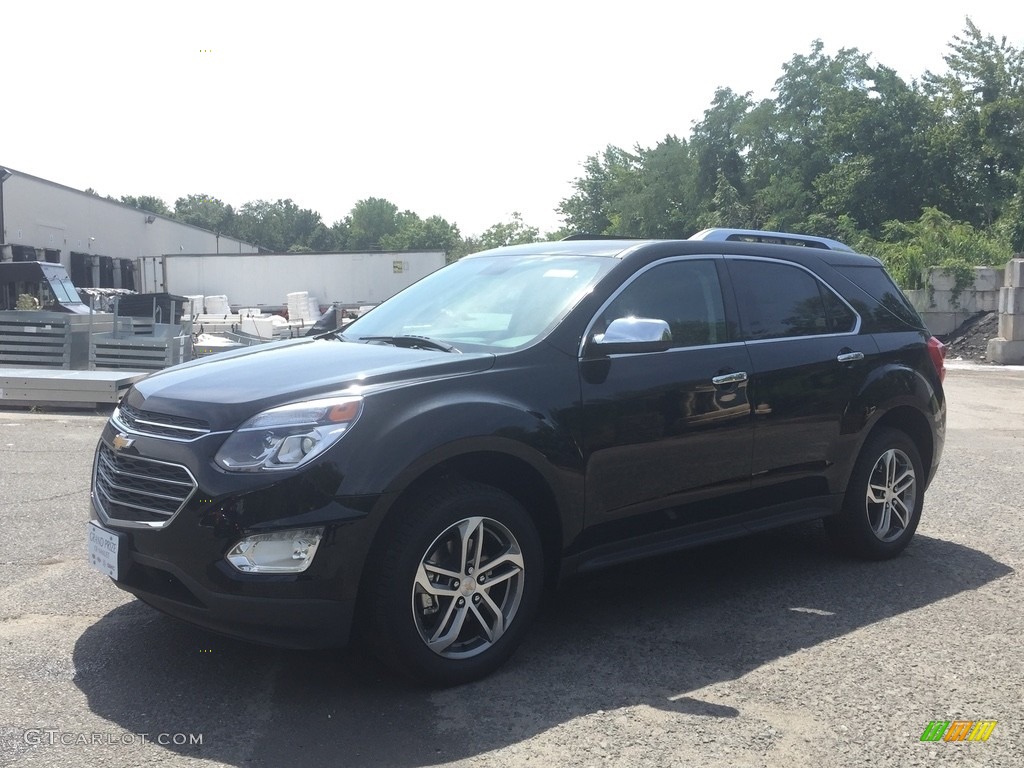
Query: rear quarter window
875,282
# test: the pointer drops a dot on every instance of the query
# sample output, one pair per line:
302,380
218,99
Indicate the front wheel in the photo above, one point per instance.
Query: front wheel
883,500
455,585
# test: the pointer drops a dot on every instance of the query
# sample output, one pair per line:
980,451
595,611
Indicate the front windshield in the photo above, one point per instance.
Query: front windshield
502,302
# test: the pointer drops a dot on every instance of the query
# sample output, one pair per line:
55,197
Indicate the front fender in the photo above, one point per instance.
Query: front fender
406,435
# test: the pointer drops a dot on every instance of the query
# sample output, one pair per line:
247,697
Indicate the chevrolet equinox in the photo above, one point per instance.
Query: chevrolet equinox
525,414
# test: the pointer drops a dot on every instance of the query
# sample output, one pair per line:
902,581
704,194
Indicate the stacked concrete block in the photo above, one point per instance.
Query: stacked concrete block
944,310
1008,346
988,281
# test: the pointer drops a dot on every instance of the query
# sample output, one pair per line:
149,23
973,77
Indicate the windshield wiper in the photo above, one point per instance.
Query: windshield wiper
334,333
412,342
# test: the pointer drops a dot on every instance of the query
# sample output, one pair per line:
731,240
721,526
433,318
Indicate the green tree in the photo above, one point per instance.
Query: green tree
648,192
980,103
369,222
339,236
909,248
878,152
511,232
206,211
661,199
790,143
1011,222
728,209
719,143
414,233
147,203
589,209
281,225
559,234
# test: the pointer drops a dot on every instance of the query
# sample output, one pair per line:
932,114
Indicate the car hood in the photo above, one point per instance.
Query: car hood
224,390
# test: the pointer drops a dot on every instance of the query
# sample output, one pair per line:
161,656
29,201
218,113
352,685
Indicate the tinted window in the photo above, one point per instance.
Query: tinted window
876,282
778,300
685,294
841,318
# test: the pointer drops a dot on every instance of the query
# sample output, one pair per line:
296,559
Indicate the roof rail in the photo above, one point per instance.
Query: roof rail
584,236
722,234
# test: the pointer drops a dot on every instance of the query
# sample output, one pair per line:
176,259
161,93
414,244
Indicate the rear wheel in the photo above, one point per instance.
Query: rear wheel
455,585
883,500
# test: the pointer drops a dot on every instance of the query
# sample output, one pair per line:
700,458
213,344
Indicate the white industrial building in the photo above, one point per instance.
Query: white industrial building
265,279
106,244
98,241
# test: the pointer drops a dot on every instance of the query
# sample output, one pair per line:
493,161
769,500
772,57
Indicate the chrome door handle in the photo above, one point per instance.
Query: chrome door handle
729,378
850,357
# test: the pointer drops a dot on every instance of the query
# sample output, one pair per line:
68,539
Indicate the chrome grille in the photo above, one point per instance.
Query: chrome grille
137,490
158,424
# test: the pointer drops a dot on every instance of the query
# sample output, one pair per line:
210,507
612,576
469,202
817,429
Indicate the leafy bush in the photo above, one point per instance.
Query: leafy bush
910,248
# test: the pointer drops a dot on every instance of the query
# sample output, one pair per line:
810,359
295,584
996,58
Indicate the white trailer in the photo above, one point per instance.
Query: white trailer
265,279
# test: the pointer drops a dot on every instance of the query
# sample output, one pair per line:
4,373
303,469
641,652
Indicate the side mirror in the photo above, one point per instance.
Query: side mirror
633,334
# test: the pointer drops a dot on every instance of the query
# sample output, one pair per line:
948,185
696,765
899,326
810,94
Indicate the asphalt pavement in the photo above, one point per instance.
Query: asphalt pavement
771,651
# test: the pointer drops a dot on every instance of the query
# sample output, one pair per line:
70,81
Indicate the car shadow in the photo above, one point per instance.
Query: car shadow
647,633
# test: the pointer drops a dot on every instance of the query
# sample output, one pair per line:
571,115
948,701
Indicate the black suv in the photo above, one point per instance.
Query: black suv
522,415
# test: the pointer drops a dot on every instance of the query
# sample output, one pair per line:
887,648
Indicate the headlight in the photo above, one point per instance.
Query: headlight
278,552
288,436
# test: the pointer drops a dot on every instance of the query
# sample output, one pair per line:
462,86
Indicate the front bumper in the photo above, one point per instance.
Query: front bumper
179,568
280,609
293,622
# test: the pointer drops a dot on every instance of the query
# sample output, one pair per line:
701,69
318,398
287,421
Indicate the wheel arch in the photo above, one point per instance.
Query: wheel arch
497,466
914,424
898,397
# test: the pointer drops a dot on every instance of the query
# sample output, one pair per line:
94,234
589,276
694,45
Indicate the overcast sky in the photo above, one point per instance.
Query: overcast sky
467,110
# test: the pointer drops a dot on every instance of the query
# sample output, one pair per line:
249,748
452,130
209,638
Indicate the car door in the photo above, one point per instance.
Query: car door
669,428
807,362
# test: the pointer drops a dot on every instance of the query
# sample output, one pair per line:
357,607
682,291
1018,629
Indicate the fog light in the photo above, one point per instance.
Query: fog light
278,552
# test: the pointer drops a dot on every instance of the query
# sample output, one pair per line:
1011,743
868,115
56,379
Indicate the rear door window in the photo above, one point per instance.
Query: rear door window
779,300
841,319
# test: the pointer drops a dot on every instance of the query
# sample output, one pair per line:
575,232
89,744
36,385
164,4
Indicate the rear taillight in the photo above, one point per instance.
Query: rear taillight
937,352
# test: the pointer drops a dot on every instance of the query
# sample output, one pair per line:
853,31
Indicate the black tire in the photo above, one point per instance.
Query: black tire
883,500
431,626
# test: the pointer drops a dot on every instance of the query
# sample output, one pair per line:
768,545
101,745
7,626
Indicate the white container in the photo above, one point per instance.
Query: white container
261,327
195,305
218,305
313,310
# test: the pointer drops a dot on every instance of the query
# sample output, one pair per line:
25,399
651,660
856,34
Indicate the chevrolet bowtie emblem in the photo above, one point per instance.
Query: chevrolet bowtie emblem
122,441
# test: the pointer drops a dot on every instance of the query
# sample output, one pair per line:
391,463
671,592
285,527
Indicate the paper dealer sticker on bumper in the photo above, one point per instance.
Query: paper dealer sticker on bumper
103,546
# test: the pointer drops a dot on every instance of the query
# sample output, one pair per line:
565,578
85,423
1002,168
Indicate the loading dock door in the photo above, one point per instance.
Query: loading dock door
81,270
106,272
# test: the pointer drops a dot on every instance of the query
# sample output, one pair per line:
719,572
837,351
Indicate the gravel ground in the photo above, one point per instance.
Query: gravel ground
772,651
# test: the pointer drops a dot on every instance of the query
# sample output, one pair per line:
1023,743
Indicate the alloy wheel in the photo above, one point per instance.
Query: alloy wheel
468,587
891,495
